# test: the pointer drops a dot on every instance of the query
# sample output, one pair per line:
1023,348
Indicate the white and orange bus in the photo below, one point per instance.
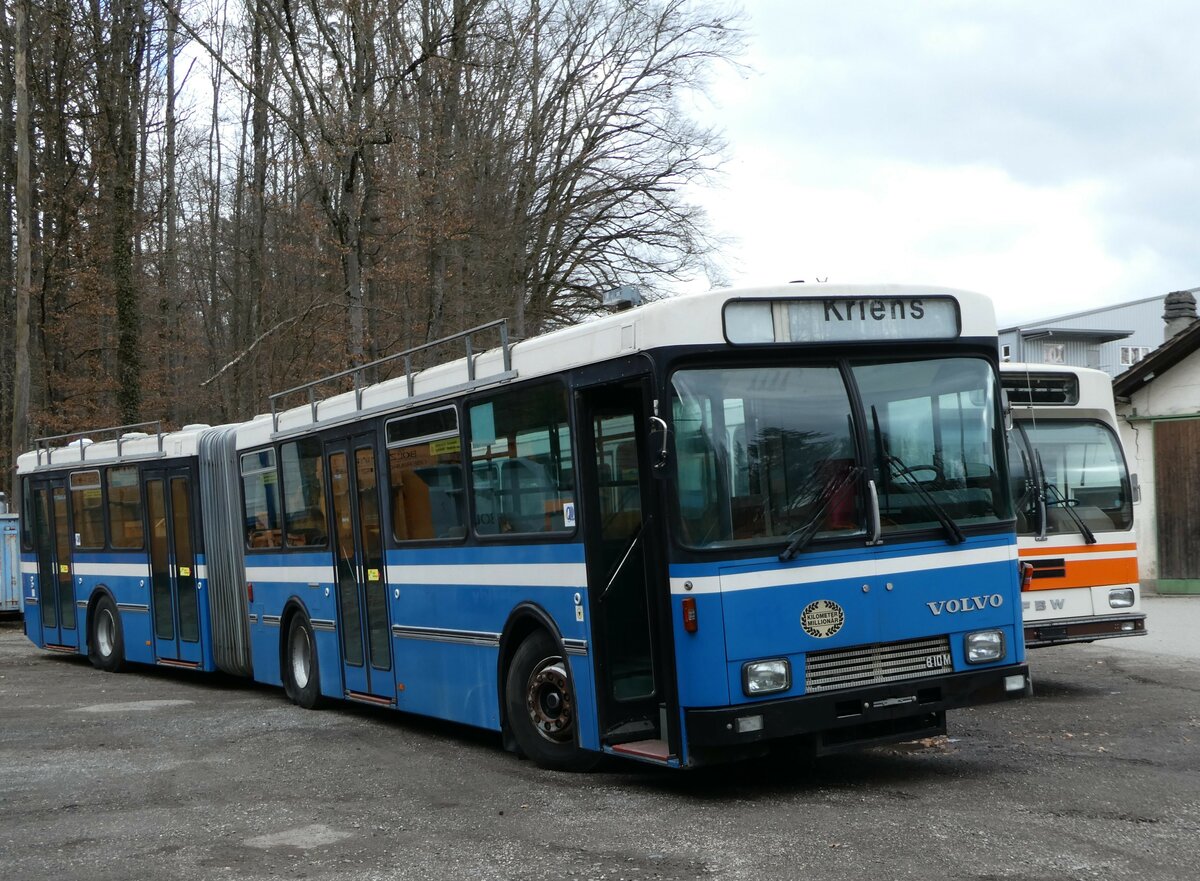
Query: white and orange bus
1074,501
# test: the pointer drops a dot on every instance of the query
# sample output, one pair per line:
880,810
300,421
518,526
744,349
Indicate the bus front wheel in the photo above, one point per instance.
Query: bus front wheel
106,647
301,676
541,706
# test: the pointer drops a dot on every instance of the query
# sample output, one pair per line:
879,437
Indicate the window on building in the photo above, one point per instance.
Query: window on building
1006,353
1130,355
1054,353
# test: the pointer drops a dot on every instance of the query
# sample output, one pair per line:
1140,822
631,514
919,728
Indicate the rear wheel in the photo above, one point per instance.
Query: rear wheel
106,643
301,676
541,706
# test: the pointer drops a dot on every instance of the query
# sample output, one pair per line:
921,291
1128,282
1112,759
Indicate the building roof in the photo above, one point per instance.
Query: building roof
1092,334
1158,361
1045,321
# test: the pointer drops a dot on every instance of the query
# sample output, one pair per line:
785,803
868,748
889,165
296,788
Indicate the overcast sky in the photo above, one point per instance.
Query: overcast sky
1043,152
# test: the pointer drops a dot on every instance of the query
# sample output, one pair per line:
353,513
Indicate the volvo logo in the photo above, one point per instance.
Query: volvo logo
967,604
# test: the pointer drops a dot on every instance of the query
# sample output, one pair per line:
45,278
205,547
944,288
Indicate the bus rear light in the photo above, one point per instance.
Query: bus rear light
691,622
1026,575
249,591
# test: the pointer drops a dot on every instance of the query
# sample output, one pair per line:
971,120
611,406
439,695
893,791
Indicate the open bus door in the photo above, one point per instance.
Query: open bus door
626,580
56,589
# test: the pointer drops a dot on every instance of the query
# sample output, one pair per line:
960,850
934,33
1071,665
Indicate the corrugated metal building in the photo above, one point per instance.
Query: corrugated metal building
1110,338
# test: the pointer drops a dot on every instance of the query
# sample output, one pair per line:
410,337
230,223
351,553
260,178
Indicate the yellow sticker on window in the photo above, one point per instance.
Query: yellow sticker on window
372,575
442,447
185,571
63,570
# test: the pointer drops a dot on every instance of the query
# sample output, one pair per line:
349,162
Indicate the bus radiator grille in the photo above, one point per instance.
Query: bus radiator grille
877,664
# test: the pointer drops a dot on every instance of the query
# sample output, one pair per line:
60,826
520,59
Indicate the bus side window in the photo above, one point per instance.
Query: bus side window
260,487
304,493
425,476
26,515
87,509
125,508
521,469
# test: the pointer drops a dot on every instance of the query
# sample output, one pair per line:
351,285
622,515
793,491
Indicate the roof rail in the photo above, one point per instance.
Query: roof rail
407,355
46,443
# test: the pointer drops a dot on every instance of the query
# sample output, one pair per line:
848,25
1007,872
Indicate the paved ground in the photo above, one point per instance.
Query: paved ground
164,775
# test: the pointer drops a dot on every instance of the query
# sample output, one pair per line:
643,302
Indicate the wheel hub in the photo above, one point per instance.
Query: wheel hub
300,658
105,630
548,700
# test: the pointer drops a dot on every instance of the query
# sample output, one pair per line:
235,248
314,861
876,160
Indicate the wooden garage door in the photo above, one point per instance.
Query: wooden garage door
1177,487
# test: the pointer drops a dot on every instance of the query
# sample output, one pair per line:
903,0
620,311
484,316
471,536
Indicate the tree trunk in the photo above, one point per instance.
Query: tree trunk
20,408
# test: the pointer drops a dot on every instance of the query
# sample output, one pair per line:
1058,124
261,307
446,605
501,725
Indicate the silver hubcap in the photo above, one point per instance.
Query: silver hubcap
106,633
301,654
548,700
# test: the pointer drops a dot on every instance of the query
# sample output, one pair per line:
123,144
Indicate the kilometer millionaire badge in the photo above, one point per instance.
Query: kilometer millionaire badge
822,618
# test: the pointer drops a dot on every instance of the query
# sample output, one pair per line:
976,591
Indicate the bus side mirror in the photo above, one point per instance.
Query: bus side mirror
1006,409
1135,490
660,439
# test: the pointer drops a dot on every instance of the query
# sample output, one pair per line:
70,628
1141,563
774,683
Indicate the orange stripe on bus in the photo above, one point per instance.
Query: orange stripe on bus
1076,549
1091,573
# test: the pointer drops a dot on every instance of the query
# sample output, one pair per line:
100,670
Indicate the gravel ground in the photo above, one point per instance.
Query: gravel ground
160,774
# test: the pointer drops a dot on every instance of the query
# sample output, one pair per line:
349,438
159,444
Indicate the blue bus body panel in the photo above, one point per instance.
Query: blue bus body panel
753,609
126,576
451,610
447,609
307,580
31,592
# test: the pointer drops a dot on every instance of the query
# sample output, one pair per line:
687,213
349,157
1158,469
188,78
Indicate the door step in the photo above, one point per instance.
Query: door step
64,649
370,699
656,751
172,662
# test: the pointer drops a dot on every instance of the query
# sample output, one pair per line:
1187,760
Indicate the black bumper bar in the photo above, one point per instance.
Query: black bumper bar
1043,633
875,709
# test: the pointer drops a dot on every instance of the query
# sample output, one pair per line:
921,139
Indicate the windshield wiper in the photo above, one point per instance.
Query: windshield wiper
953,532
804,534
1088,535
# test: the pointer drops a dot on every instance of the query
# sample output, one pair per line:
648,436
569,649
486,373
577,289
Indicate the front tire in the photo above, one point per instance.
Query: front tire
301,675
541,706
106,642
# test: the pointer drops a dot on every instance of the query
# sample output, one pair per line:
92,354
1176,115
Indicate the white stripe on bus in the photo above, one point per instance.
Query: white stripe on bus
867,567
573,575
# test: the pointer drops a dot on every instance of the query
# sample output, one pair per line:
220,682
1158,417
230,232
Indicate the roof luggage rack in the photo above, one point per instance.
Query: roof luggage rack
357,372
122,432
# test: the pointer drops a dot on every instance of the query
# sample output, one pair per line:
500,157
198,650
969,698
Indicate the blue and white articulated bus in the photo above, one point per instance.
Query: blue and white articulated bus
683,533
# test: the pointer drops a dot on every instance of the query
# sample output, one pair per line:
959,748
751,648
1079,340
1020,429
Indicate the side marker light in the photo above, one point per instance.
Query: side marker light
691,622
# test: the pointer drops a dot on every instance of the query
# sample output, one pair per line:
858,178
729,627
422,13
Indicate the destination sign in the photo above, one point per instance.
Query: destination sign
841,319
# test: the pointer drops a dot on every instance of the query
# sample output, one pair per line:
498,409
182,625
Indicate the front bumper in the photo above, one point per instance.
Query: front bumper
857,717
1067,630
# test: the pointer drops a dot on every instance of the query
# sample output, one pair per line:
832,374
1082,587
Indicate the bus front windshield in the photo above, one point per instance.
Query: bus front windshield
763,452
1082,468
